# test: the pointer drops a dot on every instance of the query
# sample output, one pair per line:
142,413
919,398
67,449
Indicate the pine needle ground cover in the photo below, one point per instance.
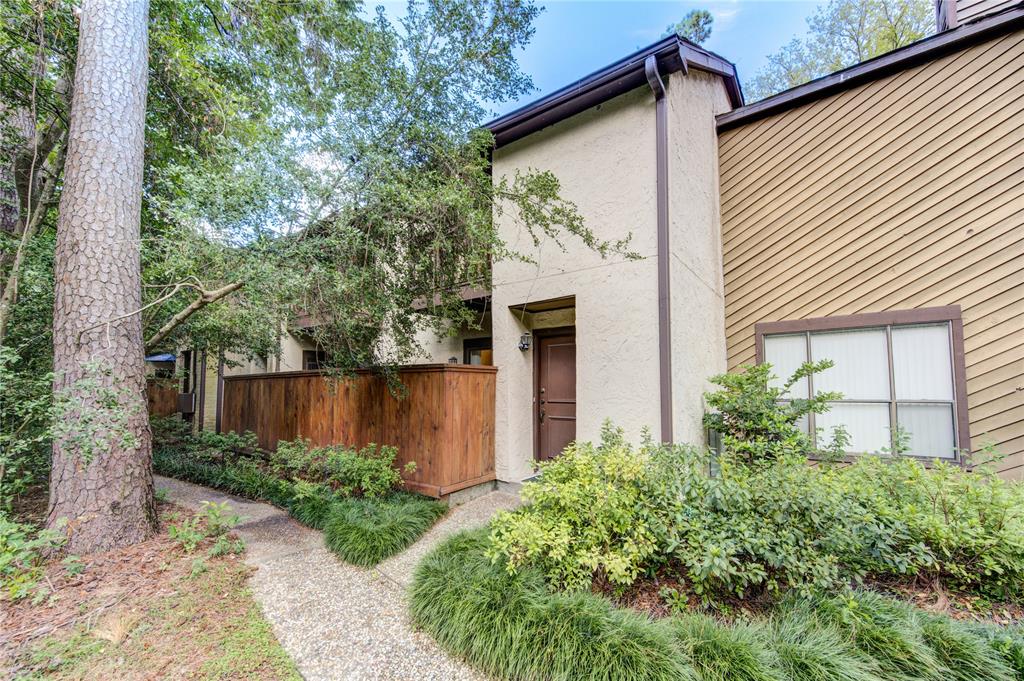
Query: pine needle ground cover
514,626
350,496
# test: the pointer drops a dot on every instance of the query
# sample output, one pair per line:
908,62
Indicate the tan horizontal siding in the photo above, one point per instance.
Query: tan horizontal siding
902,193
969,10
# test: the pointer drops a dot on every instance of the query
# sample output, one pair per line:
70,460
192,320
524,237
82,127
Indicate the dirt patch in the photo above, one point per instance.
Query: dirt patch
148,611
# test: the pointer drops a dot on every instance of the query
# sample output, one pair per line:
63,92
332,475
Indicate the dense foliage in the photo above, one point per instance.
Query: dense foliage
349,494
758,518
513,626
369,471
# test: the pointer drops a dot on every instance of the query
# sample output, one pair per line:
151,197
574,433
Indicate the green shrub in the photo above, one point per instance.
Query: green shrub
366,472
595,509
510,626
366,531
22,550
966,528
362,530
623,512
761,423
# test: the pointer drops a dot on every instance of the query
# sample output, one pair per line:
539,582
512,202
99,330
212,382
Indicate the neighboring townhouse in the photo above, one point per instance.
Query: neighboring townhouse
874,217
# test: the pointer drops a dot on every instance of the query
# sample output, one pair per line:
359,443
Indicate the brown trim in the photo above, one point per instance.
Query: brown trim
963,424
201,388
664,262
407,369
562,303
887,64
672,54
220,393
923,315
537,334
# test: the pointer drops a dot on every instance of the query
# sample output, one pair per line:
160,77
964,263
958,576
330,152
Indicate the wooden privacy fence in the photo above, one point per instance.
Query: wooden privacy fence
445,421
162,395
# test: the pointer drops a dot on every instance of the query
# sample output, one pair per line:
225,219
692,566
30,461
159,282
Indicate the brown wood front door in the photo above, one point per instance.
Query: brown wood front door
555,399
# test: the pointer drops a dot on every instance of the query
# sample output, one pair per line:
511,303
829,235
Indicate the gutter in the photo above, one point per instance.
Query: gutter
664,263
671,54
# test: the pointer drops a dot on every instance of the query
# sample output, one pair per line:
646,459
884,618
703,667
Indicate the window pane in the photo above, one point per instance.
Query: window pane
861,370
921,362
866,424
930,427
786,354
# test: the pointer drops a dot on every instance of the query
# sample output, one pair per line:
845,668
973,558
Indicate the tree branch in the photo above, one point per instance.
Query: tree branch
205,298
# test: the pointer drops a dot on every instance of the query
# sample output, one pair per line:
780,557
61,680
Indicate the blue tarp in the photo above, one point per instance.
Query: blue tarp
165,357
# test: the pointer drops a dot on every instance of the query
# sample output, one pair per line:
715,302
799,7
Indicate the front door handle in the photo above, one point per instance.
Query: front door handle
541,414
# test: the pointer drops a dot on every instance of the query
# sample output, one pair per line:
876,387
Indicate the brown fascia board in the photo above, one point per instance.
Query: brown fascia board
922,51
672,53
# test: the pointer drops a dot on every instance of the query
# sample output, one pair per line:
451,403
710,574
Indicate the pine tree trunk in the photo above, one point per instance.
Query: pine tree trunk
102,479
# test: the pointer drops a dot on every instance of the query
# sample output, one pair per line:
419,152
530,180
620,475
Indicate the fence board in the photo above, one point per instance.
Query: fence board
445,421
162,396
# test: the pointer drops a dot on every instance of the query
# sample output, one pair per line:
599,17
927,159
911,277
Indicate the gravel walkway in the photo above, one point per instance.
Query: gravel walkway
338,621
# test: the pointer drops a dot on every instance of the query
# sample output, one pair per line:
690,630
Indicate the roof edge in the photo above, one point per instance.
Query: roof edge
673,54
926,49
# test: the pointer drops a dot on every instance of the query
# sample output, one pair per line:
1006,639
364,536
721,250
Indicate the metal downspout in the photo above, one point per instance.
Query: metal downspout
664,295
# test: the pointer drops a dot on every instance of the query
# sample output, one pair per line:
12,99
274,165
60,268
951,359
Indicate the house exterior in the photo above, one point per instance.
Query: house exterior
874,217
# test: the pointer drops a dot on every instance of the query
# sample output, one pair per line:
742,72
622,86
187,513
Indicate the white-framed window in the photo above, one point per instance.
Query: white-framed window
897,371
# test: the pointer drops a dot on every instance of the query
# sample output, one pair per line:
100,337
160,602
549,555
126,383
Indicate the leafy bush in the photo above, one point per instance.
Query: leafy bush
366,472
758,422
595,509
366,531
772,526
940,522
362,530
22,550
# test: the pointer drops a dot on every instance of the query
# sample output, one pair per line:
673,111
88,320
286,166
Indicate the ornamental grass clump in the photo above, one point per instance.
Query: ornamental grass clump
366,531
726,653
511,626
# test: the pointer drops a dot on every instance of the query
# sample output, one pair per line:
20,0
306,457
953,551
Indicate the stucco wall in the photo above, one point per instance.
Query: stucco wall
439,349
697,289
605,161
901,193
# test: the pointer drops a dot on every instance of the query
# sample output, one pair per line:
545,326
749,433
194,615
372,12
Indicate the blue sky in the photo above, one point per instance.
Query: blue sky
576,37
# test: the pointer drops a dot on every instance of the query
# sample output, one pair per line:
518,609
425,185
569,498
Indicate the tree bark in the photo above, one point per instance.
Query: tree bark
105,492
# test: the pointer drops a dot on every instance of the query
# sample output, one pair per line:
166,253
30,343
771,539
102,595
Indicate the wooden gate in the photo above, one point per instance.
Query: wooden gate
445,421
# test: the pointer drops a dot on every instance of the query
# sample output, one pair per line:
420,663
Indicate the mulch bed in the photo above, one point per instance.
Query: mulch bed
646,596
108,578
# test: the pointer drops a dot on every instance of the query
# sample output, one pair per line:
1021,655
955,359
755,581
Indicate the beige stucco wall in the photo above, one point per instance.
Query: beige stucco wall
605,161
697,289
439,349
901,193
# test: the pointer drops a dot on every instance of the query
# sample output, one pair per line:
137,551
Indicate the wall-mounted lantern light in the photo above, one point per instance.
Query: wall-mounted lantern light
524,341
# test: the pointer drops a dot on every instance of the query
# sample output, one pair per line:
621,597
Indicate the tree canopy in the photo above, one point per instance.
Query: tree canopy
840,34
695,26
